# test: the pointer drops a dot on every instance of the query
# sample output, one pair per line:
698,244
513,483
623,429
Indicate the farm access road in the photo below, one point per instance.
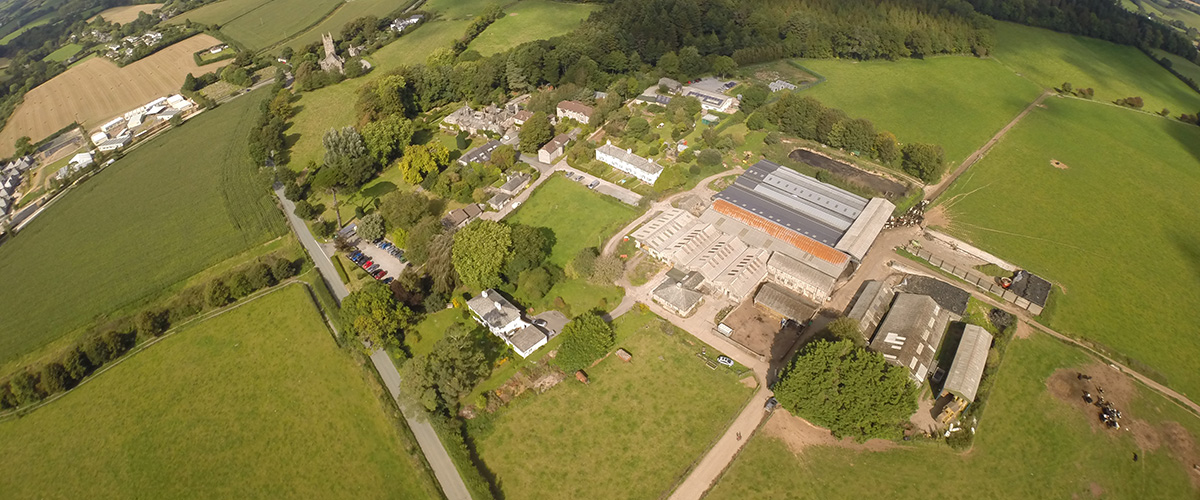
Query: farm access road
431,446
932,192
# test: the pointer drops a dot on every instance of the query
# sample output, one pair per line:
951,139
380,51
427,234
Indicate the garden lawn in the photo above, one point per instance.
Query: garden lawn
421,338
64,52
531,20
578,216
169,209
632,433
1114,71
258,402
277,20
957,102
1116,229
1030,445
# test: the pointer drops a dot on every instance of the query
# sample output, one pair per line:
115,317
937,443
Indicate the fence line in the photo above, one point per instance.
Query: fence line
980,280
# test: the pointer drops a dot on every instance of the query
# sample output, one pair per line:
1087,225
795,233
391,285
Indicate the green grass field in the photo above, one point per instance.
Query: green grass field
345,13
1114,71
36,22
1030,445
461,9
276,21
64,52
1116,228
579,217
1183,66
957,102
415,47
171,208
219,13
433,328
257,402
531,20
631,433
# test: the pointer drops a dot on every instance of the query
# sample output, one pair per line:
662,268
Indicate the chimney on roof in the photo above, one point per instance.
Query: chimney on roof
499,307
629,150
485,293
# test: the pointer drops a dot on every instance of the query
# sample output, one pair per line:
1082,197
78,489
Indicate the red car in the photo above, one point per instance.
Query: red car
380,274
367,264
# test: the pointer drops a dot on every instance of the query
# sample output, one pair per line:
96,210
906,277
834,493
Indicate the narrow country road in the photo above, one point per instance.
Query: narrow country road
932,192
443,468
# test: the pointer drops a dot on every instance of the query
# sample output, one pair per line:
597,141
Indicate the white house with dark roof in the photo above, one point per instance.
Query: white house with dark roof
505,320
624,160
574,110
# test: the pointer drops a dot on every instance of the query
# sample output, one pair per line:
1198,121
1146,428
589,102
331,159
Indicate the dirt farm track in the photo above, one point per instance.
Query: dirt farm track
97,90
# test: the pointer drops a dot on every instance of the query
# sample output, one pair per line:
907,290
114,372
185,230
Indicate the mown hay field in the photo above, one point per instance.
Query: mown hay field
1115,228
1030,444
276,21
97,90
1114,71
461,9
127,13
171,208
258,402
957,102
631,433
531,20
218,13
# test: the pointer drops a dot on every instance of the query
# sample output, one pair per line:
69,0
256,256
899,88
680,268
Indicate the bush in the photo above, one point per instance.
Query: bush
709,158
585,339
240,286
151,322
756,121
305,210
54,378
772,139
283,269
219,293
259,276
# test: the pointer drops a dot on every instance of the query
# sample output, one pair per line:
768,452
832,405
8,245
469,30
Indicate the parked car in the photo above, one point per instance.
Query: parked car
372,268
380,274
593,184
539,322
367,264
725,360
387,280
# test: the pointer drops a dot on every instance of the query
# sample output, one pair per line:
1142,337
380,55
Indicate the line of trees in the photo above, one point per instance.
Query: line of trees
111,341
807,118
1103,19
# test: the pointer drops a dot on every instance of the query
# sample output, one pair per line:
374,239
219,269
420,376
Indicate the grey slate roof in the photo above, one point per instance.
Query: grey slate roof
524,339
911,333
969,361
796,201
674,293
784,302
495,310
481,154
515,182
633,160
872,303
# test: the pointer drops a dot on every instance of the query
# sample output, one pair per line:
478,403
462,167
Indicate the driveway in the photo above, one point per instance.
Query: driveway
605,187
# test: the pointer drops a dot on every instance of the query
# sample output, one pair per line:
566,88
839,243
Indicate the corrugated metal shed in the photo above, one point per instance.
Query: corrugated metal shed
969,362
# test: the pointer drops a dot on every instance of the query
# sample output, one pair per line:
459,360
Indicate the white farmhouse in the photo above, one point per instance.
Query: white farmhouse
624,160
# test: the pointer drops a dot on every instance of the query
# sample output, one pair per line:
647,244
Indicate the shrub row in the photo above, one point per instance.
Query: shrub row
35,383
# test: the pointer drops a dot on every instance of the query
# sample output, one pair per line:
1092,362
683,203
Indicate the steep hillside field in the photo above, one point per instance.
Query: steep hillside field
127,13
1114,71
257,402
96,90
957,102
630,434
169,209
218,13
531,20
1183,66
461,9
276,21
1116,228
345,13
1030,444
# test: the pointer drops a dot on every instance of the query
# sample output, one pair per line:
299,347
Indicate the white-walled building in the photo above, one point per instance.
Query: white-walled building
624,160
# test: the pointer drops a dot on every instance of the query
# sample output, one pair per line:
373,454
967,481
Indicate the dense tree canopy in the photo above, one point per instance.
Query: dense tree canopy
849,390
448,373
373,313
420,161
535,133
585,339
479,252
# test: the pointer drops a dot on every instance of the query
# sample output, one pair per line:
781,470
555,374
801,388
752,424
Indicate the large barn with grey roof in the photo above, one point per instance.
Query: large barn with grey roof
772,223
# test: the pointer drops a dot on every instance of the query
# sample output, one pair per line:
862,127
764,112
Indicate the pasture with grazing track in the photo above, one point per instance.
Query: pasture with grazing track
218,13
1113,71
579,217
1116,228
1031,443
1183,66
276,21
127,13
171,208
957,102
256,402
97,90
345,13
531,20
461,9
637,426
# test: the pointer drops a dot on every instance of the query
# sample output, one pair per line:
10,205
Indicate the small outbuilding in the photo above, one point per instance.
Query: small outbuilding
969,361
624,355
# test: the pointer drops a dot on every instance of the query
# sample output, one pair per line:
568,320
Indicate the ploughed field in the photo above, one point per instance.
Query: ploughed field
256,402
169,209
97,90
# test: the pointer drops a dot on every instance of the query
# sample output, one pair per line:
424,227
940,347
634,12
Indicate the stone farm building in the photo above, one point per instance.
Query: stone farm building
331,62
553,149
624,160
575,110
497,120
772,224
